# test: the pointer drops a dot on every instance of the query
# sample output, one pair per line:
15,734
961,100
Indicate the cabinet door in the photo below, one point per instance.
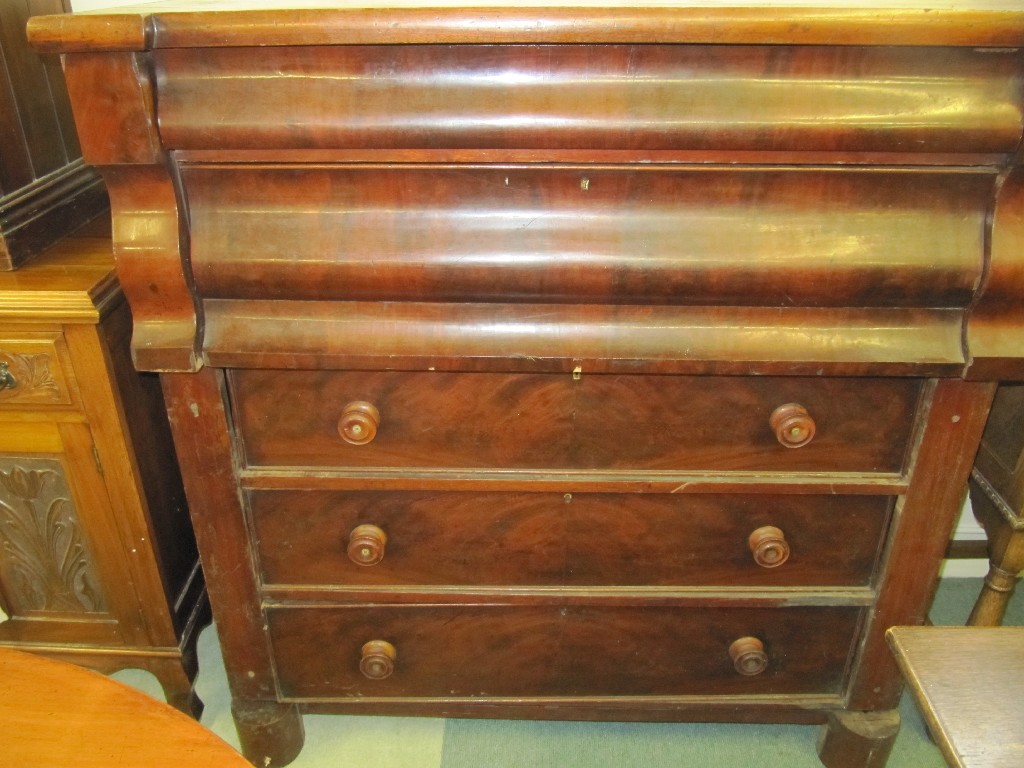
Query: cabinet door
56,550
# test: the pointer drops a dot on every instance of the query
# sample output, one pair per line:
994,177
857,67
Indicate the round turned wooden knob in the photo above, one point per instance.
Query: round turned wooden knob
378,661
366,545
358,422
748,656
793,426
769,546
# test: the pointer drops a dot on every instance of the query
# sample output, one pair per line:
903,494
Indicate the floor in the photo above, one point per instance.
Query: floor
391,742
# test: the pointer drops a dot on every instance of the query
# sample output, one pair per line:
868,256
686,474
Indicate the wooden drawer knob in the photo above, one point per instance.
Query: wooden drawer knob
748,656
793,426
358,422
769,546
378,661
366,545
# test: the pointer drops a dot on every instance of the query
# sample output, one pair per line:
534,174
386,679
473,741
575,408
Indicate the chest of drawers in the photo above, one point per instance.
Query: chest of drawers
610,363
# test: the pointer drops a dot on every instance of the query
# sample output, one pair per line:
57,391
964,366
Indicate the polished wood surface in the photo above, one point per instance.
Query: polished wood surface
614,362
500,651
98,563
485,420
964,680
565,539
53,713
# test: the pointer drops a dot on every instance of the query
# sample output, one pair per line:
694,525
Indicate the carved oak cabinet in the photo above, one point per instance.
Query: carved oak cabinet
98,562
593,363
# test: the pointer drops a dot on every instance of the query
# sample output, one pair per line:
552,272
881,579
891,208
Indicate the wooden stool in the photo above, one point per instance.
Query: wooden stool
959,677
53,713
997,497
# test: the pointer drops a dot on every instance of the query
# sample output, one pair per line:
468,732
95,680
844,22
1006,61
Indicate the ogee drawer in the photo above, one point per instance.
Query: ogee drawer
553,539
479,651
598,422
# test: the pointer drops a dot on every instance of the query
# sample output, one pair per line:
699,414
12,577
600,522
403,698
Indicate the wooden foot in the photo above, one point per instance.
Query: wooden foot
270,733
995,596
177,677
858,739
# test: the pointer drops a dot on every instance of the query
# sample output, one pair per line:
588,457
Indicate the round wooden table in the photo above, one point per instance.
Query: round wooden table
53,713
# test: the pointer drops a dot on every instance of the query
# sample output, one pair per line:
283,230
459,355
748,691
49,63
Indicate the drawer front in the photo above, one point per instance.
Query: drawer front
524,421
649,235
727,97
554,539
34,371
498,651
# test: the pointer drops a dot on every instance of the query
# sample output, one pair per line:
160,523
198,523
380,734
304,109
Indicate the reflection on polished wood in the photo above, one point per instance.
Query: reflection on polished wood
616,362
53,713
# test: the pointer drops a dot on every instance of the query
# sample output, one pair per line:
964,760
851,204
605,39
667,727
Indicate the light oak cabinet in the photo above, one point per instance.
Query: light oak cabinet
98,564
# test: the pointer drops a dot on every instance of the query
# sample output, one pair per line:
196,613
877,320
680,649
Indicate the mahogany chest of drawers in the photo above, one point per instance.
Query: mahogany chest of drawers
611,363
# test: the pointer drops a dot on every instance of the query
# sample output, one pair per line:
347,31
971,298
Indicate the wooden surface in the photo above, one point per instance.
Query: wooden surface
487,362
997,500
54,713
98,563
966,681
46,191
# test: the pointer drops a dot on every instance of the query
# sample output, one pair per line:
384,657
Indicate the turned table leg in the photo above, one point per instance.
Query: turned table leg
995,596
858,739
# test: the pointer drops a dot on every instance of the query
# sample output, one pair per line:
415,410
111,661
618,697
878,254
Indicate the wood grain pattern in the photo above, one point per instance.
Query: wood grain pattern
88,584
472,323
764,98
500,651
551,422
499,22
956,675
92,710
506,234
557,539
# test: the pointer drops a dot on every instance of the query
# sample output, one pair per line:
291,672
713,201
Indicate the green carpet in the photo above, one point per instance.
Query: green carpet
396,742
513,744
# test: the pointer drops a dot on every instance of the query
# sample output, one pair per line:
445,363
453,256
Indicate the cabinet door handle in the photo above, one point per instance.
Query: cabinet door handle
792,424
748,656
769,546
378,660
366,545
7,380
358,423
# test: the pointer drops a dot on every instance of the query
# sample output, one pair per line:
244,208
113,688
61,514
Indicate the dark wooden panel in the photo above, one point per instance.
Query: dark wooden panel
596,97
15,161
39,119
610,235
550,421
552,337
482,651
565,539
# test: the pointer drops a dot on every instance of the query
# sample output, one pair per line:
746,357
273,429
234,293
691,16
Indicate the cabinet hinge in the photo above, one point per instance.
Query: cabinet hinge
96,458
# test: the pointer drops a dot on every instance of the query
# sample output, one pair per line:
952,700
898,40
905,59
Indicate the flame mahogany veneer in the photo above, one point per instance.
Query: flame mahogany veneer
591,363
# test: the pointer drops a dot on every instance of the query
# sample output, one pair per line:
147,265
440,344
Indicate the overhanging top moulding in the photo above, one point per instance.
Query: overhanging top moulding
223,23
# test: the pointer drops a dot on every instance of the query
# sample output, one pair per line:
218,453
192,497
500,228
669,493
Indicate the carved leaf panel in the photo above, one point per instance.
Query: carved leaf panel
30,378
45,566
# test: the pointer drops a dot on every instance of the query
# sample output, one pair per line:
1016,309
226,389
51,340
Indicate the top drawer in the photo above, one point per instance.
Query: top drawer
538,421
644,97
35,371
